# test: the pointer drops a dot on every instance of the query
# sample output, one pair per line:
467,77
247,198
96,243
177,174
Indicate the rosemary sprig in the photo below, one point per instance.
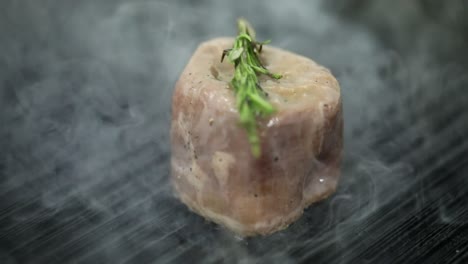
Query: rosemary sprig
250,97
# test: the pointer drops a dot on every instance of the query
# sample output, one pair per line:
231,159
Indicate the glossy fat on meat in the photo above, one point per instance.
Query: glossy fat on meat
213,170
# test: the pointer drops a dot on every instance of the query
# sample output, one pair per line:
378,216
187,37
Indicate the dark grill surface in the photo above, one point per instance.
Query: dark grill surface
85,90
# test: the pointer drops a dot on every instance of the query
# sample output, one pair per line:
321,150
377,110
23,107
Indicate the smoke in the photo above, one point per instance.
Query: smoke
85,114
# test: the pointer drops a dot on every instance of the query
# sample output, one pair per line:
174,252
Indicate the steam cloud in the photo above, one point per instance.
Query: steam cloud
85,113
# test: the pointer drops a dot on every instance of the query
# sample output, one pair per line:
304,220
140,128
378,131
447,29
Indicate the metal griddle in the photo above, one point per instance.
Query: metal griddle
84,118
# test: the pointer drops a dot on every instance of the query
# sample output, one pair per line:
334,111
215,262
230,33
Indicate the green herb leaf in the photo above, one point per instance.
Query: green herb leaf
234,54
250,97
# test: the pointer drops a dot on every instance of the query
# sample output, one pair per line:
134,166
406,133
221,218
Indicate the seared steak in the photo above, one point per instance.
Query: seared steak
213,170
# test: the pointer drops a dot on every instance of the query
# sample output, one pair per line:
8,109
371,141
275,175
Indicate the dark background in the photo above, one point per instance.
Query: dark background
85,90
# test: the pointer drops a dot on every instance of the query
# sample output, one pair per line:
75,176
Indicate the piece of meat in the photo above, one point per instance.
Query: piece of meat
213,170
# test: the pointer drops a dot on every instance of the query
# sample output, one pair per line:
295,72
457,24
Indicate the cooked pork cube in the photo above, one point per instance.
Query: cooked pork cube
213,170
